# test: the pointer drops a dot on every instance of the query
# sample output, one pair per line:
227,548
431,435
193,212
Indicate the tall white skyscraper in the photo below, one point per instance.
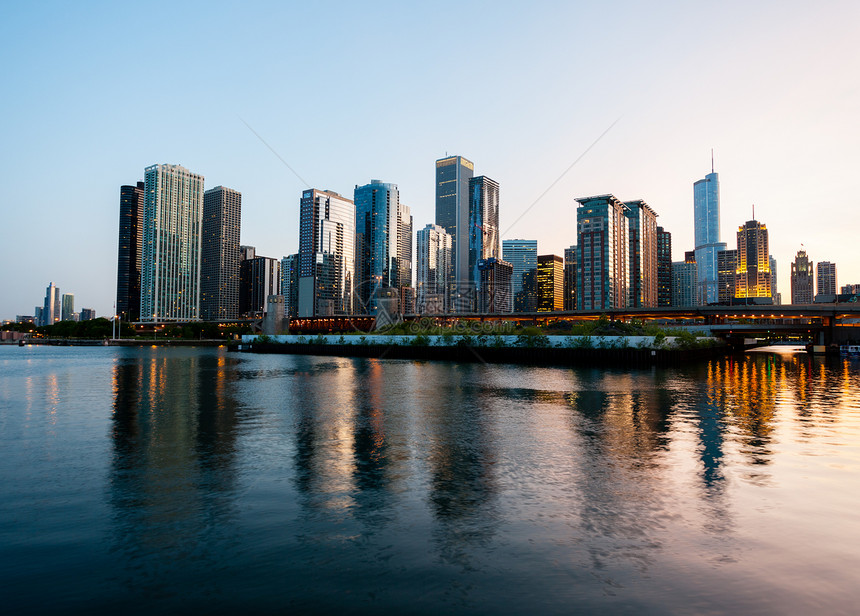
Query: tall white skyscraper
172,224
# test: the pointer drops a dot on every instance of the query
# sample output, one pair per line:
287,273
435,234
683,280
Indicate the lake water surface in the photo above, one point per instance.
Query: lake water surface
143,480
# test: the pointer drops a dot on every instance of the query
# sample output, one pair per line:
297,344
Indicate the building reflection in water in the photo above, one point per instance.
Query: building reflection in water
622,430
461,457
172,478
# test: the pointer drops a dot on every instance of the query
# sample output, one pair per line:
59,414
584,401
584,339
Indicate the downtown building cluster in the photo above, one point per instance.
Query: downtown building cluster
180,257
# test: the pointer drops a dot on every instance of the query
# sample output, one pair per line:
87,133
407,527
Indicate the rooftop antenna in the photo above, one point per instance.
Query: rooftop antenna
712,160
753,211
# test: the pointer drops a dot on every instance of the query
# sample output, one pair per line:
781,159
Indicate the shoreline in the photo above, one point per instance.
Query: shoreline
465,353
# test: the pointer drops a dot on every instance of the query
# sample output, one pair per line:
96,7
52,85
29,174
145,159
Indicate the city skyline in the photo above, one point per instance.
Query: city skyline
778,142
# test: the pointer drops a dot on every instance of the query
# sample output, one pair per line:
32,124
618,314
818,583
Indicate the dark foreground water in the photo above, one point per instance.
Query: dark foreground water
178,480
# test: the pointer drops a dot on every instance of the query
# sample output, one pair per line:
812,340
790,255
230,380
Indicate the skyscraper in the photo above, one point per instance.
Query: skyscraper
826,274
130,251
52,309
259,277
404,246
172,224
68,309
494,288
550,283
685,281
452,209
664,267
378,216
727,271
219,270
522,255
569,302
327,254
434,269
290,285
706,212
603,245
774,293
642,234
802,281
754,277
483,223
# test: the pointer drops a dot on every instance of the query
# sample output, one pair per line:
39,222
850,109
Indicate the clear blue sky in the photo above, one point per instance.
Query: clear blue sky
346,92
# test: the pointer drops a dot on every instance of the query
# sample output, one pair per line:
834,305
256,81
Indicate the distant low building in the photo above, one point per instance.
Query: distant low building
88,314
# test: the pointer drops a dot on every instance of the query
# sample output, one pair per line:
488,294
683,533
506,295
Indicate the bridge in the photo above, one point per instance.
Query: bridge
817,323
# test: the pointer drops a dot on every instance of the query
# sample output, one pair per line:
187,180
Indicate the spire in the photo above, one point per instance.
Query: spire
712,160
753,211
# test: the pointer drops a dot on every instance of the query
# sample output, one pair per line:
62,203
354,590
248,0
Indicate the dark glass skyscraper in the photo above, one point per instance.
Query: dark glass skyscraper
259,278
379,222
452,208
130,251
219,269
569,278
642,235
664,267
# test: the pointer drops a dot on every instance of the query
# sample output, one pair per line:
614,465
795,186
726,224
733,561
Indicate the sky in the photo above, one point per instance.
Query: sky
553,100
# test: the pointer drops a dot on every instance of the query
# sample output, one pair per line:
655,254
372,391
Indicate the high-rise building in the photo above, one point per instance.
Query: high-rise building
706,213
290,285
130,251
52,308
754,276
826,275
327,254
522,255
774,293
569,301
802,281
452,209
685,281
404,246
483,224
219,269
68,309
379,244
172,225
664,267
494,288
434,269
259,278
602,253
550,283
642,235
87,314
727,268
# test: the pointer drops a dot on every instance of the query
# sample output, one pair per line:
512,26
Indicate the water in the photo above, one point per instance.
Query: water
172,480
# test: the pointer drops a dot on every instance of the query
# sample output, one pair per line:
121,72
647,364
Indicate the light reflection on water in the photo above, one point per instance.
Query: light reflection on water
142,479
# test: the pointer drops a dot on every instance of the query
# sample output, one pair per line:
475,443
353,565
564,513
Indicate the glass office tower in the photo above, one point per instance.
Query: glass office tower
522,255
452,209
129,252
706,212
